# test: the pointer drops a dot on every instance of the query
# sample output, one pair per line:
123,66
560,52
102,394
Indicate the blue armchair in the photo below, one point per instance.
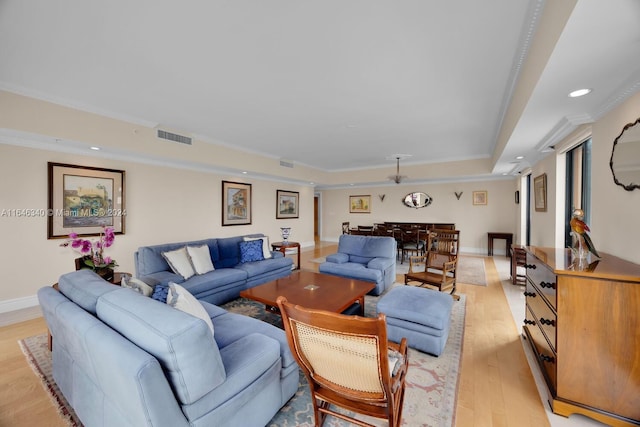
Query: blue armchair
368,258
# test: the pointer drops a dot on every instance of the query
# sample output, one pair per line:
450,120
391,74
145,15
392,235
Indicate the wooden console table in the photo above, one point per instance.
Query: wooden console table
283,246
506,236
582,323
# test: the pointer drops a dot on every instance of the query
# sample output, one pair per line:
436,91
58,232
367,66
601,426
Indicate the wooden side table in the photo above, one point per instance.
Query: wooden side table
506,236
283,246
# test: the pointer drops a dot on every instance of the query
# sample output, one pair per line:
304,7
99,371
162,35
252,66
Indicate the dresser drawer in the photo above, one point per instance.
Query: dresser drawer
544,278
545,356
544,315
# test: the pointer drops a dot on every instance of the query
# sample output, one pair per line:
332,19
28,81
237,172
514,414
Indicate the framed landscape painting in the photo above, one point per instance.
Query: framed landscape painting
360,204
83,200
236,203
287,204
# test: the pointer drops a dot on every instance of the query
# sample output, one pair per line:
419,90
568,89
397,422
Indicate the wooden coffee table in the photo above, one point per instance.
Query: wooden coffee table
312,290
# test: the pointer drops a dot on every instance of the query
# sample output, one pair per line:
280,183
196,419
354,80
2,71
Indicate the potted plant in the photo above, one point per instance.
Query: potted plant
92,251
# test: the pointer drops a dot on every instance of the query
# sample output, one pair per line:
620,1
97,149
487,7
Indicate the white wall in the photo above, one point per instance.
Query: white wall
163,205
473,221
614,211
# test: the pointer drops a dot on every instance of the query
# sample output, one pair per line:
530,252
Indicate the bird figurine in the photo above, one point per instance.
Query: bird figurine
580,230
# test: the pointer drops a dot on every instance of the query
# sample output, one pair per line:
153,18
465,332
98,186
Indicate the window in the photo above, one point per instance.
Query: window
578,185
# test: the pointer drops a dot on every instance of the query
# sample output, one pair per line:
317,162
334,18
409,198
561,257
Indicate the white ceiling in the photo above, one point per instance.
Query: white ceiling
332,84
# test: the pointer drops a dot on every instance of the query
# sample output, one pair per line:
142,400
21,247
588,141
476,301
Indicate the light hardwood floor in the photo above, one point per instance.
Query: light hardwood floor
496,386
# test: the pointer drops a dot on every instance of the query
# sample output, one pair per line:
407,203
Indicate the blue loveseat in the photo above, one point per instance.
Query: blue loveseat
220,285
123,359
368,258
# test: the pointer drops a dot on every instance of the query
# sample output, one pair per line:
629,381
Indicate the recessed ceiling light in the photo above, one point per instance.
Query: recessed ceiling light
579,92
95,148
244,172
519,157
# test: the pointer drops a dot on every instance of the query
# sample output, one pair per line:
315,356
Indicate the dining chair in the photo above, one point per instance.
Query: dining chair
348,362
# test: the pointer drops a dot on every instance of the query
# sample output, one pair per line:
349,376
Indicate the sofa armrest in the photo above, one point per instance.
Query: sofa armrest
338,258
381,263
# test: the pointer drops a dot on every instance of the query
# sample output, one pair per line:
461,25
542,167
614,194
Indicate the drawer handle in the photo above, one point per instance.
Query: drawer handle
530,294
549,285
529,322
546,358
547,322
531,266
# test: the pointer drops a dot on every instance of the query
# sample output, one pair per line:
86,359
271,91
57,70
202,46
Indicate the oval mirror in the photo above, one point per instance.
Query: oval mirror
417,200
625,157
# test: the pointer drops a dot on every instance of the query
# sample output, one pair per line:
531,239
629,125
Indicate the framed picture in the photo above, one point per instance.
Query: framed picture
287,204
540,192
236,203
479,197
360,204
83,200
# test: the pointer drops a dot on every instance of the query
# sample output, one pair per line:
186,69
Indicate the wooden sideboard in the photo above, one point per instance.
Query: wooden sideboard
583,325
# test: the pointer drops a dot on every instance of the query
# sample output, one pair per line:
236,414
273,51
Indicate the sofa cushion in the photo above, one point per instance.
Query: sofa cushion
266,249
181,299
183,344
217,278
251,251
258,268
84,287
351,270
200,258
160,292
180,262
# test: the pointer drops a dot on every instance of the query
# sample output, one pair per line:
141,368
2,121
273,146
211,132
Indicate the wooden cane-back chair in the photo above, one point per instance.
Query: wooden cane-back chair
436,268
348,363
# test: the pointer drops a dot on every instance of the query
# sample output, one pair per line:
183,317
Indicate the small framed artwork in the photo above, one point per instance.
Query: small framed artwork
540,192
236,203
479,198
360,204
287,204
83,200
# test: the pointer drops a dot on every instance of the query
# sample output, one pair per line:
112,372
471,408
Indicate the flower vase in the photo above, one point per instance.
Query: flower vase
285,234
105,272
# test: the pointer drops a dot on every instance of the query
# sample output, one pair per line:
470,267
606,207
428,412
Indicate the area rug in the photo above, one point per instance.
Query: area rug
430,396
471,270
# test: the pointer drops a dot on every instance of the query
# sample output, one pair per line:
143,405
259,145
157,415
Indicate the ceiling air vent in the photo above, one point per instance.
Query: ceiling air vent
286,163
163,134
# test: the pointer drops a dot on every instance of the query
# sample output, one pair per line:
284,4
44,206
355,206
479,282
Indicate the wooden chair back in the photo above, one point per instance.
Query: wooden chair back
438,267
345,227
348,362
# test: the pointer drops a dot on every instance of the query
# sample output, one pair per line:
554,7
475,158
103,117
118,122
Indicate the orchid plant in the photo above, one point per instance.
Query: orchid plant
93,250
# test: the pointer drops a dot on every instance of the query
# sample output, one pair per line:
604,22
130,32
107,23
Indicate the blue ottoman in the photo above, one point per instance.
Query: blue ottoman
421,315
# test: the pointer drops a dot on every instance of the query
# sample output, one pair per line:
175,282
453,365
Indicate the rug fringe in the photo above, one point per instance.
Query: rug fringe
59,405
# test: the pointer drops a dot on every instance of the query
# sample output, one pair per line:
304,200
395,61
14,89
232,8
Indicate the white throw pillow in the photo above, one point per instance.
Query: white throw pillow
266,250
178,297
180,262
200,258
136,285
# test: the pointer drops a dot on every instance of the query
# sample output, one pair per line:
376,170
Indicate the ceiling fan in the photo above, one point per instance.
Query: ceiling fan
397,178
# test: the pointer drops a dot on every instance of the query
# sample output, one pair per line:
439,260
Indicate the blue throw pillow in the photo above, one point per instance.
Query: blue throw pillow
160,293
251,251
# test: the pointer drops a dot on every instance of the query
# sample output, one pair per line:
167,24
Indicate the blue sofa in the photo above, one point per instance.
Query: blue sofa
368,258
123,359
220,285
